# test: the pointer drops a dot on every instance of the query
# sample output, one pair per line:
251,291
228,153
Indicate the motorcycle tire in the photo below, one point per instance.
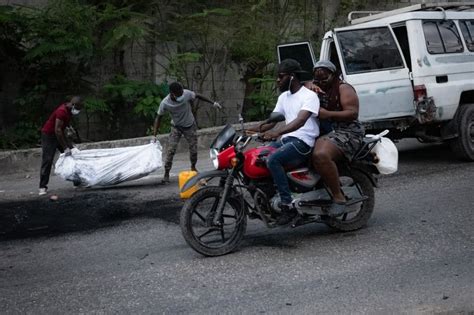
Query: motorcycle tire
361,217
193,219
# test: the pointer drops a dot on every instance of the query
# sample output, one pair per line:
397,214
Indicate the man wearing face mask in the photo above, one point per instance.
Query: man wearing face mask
300,107
53,138
178,104
343,132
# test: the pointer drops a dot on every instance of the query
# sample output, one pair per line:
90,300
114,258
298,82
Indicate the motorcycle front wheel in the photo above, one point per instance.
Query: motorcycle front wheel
198,230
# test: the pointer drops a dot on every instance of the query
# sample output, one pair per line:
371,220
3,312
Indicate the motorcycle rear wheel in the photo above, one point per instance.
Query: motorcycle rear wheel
196,223
359,218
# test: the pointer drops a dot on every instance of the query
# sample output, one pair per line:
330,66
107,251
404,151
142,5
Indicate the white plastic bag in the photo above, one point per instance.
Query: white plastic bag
387,155
109,166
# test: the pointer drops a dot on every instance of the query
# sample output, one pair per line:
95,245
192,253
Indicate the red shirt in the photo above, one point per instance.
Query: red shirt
61,113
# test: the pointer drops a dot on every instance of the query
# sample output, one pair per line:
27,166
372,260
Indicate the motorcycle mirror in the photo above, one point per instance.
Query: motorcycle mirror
275,117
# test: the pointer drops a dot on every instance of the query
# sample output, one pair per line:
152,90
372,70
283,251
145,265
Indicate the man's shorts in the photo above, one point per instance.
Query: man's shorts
348,140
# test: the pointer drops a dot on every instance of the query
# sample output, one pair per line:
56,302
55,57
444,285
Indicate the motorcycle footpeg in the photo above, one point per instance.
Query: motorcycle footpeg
300,220
297,221
350,202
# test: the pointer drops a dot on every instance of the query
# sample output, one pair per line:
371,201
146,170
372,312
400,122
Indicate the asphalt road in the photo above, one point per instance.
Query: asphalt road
119,250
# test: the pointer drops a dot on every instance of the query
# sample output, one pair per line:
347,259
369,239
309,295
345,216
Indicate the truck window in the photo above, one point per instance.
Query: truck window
467,30
301,52
442,37
369,50
402,37
334,57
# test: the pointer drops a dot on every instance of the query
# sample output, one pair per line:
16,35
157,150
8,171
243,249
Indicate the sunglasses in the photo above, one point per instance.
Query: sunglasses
282,75
325,81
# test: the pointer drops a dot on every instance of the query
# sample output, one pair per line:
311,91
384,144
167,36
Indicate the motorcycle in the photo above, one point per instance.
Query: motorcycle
213,220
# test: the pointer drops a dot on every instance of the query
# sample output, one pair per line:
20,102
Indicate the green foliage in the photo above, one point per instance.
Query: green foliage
30,104
121,97
60,34
23,135
178,63
122,25
146,95
212,12
263,98
56,45
96,105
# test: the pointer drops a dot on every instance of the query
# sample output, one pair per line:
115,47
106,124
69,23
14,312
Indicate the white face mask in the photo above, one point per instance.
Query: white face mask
75,111
180,98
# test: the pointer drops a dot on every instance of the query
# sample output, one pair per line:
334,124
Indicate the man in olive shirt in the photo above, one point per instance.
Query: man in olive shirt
178,104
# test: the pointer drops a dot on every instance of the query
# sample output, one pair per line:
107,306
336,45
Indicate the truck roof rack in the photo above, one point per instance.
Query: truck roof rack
375,15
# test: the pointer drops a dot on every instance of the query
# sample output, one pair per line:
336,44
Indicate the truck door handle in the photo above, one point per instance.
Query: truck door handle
441,79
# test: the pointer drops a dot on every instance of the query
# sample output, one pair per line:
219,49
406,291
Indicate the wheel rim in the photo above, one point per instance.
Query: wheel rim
207,234
470,130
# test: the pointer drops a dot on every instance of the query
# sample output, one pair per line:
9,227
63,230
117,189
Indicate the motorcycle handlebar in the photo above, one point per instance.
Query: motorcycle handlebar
258,136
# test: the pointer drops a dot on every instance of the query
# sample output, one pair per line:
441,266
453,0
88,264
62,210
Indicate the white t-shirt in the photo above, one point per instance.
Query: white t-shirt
290,105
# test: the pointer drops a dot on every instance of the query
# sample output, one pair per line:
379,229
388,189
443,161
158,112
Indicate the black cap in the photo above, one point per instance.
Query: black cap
290,66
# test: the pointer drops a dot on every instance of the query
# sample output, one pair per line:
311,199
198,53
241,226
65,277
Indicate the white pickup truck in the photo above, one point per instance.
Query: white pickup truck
413,69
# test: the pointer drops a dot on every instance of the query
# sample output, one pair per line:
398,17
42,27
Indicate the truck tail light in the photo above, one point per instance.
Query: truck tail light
419,92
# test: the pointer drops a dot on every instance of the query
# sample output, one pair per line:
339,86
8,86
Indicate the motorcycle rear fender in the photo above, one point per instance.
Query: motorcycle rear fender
209,174
368,169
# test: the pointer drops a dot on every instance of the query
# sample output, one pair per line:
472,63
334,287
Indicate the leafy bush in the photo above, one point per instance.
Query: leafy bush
23,135
121,97
263,98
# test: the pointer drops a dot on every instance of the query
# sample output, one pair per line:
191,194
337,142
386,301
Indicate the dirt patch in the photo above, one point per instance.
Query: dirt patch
42,216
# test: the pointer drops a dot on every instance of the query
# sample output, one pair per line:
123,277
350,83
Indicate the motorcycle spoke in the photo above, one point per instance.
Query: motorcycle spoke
229,216
223,235
344,217
207,233
200,216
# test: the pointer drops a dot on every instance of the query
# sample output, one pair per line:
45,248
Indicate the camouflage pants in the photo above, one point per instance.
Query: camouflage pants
190,134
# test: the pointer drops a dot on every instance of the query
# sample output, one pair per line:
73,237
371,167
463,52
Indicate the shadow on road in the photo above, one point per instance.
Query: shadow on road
41,216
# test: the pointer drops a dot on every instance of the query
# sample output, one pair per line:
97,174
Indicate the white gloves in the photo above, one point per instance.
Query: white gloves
217,105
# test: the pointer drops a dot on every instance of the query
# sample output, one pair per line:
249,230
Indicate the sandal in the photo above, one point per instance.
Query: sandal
337,209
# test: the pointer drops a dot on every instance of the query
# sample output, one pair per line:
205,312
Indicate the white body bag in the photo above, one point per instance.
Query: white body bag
109,166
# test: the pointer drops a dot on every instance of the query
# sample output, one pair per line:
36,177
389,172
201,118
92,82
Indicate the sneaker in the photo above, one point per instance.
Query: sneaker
43,191
288,213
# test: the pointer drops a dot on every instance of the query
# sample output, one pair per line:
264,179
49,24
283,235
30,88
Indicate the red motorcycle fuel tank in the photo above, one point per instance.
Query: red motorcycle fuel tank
254,167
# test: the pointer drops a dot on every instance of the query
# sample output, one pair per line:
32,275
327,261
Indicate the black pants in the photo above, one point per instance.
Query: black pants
49,145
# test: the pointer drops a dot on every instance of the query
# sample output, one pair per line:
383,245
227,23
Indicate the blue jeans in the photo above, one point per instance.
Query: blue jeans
291,153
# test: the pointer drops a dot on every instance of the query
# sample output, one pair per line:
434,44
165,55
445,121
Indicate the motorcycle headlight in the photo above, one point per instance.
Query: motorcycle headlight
215,161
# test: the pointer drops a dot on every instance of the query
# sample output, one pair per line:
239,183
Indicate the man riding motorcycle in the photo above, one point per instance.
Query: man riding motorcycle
300,106
339,110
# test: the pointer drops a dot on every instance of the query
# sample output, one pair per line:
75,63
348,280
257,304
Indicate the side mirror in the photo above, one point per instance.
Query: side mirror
275,117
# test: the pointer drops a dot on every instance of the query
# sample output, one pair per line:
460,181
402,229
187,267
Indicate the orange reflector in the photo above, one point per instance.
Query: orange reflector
234,161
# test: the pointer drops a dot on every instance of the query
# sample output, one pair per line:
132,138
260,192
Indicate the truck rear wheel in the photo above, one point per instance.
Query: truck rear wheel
463,145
